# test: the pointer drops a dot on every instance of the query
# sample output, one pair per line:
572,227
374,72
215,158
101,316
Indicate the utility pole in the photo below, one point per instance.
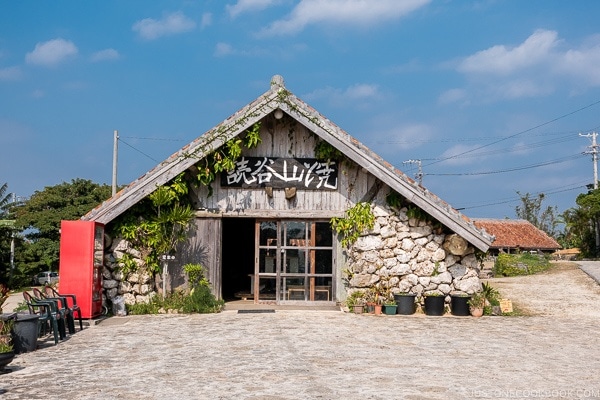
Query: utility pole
115,157
419,174
594,153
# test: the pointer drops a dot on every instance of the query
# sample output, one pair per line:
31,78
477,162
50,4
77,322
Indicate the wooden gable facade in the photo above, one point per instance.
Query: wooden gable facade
263,230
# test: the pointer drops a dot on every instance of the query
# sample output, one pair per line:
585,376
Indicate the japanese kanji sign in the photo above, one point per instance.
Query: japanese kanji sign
304,173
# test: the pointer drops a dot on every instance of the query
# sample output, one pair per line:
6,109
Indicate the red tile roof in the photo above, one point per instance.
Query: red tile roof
516,233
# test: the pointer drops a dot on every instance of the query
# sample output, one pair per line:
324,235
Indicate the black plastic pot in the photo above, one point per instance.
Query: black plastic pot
459,305
434,305
406,303
25,333
6,358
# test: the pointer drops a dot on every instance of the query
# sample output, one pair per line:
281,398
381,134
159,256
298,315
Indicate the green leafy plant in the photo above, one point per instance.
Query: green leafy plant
520,264
355,298
394,199
155,225
6,344
4,293
325,151
223,159
477,300
358,219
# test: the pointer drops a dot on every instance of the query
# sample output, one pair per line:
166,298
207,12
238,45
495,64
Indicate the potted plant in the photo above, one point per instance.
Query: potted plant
434,303
459,304
389,306
405,302
6,347
476,304
356,302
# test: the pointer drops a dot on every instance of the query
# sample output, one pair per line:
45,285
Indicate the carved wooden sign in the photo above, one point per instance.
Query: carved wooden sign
302,173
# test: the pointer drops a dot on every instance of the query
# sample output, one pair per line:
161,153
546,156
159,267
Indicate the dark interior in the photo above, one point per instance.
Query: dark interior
237,256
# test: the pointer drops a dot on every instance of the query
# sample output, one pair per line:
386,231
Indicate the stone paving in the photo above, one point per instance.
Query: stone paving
294,354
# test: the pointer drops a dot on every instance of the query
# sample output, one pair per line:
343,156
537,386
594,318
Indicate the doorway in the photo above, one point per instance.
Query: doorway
294,261
237,257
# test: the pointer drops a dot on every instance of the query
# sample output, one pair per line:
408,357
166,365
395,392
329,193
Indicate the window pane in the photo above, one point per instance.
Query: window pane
295,289
296,233
295,261
266,262
324,236
323,262
268,233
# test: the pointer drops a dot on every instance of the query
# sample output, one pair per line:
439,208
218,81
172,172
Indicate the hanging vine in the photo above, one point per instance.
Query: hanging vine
223,159
358,219
156,225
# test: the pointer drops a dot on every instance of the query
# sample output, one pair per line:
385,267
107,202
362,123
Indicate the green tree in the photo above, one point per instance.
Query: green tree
585,222
577,231
38,220
4,200
531,210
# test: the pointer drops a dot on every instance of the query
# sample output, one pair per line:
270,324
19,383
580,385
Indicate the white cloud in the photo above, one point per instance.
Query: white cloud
342,12
105,55
452,96
52,52
10,73
460,155
170,24
501,60
206,20
243,6
351,94
387,142
536,67
223,49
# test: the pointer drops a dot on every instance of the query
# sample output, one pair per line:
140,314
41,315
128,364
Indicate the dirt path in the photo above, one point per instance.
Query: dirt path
563,291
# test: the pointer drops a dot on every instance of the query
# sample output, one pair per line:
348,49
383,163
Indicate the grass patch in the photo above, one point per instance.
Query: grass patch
520,264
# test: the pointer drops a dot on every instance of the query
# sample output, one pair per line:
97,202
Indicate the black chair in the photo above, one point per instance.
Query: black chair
61,306
73,307
48,316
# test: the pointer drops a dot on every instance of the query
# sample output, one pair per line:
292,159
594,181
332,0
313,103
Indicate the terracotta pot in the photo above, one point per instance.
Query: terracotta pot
477,311
378,309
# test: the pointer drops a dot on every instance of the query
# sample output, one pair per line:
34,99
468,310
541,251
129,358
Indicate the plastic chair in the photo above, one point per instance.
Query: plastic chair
47,315
61,306
74,308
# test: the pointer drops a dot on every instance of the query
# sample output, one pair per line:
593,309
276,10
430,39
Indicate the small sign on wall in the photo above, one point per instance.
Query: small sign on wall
506,306
302,173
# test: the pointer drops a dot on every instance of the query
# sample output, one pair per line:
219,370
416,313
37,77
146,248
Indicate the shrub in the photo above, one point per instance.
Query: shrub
520,264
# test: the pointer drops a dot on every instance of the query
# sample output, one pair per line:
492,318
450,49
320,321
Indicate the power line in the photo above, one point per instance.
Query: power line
150,138
543,164
514,199
518,133
139,151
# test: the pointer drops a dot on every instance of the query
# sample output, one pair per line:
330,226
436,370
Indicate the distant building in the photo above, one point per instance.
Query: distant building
513,236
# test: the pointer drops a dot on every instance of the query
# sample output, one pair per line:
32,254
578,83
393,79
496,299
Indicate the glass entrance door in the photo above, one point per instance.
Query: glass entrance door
294,261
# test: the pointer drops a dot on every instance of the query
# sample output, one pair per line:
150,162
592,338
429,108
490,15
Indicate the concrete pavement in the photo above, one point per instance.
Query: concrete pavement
295,354
592,268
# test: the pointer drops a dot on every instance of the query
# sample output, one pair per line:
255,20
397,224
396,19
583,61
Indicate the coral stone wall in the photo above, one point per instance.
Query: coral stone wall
410,255
133,287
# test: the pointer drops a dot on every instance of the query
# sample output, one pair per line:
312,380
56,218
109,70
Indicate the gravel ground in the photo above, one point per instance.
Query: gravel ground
563,291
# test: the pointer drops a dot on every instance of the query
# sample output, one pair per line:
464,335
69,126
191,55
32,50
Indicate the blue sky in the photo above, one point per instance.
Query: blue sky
490,96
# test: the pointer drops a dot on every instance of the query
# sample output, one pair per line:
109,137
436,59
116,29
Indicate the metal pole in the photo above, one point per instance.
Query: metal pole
115,157
594,153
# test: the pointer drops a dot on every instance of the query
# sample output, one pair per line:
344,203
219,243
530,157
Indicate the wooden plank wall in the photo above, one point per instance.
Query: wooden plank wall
287,138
